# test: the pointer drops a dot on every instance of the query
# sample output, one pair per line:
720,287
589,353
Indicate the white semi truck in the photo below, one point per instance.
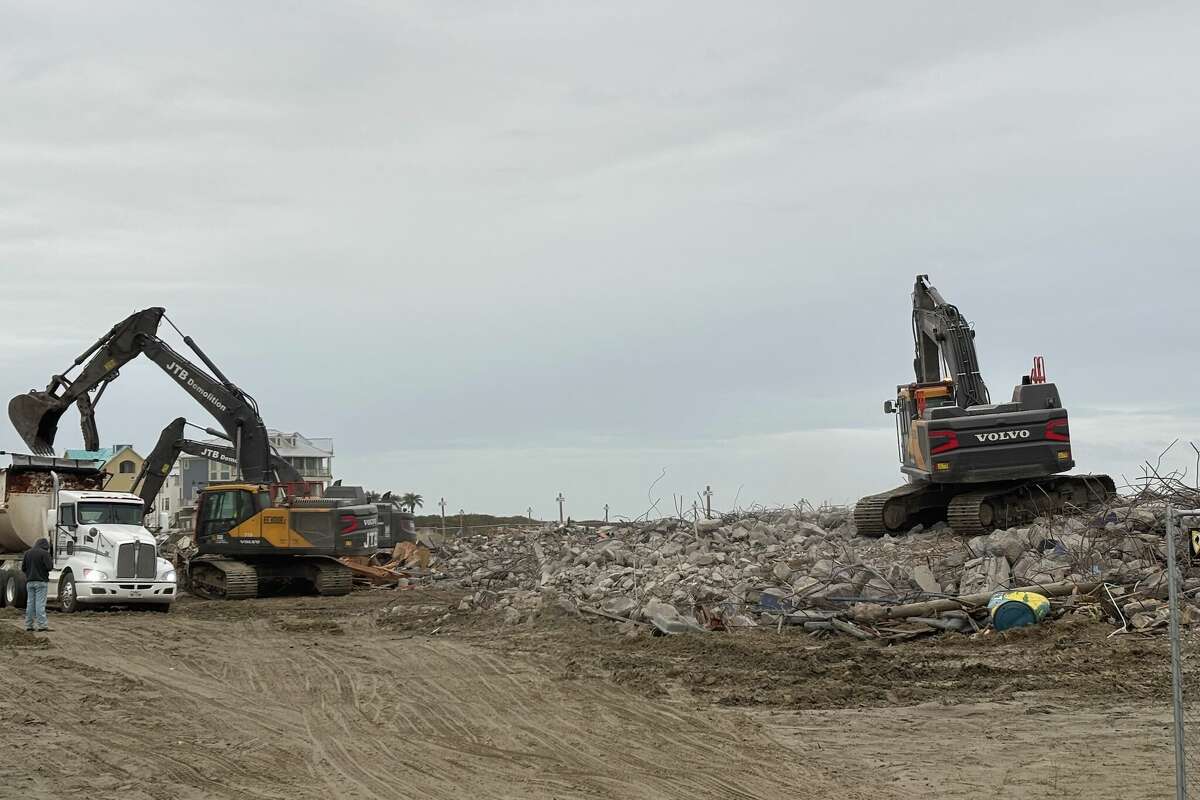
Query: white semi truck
103,555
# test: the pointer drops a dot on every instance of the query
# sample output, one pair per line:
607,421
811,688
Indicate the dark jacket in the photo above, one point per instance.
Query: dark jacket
38,562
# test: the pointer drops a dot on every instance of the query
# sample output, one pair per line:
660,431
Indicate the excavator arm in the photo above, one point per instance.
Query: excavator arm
944,337
36,415
172,443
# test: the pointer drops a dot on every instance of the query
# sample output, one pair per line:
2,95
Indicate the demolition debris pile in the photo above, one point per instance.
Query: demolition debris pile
810,568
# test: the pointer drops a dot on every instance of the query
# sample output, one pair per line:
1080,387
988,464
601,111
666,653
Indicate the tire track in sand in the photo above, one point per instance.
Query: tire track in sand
372,715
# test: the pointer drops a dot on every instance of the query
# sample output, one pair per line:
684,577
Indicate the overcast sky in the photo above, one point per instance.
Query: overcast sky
501,250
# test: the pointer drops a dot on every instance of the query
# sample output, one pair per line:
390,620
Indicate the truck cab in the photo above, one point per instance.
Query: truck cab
104,555
102,552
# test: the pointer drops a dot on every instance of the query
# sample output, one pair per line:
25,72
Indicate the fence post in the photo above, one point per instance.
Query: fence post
1176,658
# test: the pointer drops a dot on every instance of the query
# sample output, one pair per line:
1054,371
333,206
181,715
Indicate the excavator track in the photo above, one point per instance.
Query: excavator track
980,512
887,512
331,578
223,579
974,511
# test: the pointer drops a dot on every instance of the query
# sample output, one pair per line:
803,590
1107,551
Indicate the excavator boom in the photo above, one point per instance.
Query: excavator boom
943,336
36,415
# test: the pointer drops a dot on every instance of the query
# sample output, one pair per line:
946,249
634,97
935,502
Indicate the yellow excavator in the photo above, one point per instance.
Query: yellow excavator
266,527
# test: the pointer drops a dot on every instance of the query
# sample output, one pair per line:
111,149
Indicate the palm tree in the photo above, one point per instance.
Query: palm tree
412,501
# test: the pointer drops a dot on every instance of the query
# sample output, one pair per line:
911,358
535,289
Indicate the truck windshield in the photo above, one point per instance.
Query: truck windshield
110,514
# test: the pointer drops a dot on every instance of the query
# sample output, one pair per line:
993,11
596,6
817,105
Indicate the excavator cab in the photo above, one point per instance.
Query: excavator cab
226,512
934,395
910,406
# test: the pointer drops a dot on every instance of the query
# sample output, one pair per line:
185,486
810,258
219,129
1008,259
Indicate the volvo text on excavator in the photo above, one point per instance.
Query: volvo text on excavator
976,464
264,527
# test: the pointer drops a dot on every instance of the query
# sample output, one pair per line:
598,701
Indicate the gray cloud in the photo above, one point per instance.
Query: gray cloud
497,250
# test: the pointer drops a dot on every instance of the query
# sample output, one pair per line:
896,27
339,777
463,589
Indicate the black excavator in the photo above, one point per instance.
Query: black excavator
266,526
976,464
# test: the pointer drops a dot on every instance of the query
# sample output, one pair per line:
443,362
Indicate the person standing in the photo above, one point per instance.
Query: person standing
36,565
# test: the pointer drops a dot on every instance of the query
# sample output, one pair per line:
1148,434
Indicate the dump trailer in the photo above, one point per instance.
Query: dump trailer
102,553
978,465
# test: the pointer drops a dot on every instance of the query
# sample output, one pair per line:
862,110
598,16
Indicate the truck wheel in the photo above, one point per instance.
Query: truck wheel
14,590
68,597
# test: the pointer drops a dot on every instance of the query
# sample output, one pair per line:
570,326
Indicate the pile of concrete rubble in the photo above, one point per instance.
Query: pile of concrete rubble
811,568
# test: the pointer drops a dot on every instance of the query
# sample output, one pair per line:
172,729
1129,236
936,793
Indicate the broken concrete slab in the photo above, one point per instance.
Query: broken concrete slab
668,619
923,579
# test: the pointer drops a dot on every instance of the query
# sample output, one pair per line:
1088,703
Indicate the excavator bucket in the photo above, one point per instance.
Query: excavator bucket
35,416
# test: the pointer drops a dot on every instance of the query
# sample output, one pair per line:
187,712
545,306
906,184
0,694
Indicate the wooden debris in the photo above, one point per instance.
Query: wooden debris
388,574
601,613
931,607
949,624
850,628
409,554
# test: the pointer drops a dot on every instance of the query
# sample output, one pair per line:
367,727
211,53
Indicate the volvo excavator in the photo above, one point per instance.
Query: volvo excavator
394,523
978,465
267,526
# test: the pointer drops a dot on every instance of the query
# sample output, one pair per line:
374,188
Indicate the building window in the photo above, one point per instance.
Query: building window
127,467
166,504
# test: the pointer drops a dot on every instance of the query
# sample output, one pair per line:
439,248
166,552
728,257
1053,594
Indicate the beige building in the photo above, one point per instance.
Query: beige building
121,462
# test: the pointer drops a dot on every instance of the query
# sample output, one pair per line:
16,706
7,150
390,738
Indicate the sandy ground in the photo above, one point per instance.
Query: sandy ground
343,698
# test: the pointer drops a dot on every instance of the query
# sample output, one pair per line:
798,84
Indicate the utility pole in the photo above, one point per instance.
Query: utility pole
442,503
708,502
561,500
461,527
529,513
606,513
695,511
